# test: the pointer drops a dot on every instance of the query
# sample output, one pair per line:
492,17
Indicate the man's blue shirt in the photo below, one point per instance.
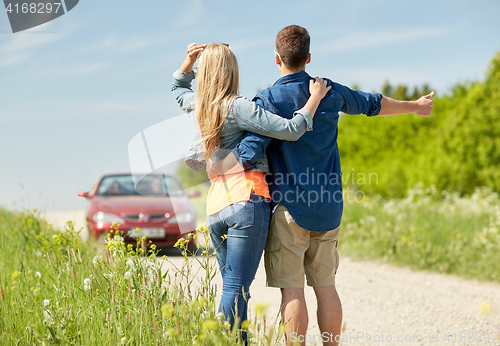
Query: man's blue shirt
306,175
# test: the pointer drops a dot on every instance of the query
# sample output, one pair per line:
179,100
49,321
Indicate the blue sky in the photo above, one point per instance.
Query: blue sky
75,91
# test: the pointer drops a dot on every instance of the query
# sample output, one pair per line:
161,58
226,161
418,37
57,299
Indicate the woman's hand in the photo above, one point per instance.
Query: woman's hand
193,50
318,90
318,87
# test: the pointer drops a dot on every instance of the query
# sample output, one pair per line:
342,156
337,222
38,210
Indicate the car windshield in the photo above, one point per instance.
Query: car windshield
151,185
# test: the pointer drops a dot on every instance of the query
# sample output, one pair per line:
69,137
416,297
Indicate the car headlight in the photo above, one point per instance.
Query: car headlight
181,218
107,218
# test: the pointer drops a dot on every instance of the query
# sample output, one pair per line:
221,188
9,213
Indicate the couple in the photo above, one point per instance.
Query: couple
296,220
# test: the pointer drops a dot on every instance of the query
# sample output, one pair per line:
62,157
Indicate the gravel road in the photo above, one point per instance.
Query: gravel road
388,305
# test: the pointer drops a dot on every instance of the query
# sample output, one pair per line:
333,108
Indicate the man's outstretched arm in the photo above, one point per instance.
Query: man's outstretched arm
422,106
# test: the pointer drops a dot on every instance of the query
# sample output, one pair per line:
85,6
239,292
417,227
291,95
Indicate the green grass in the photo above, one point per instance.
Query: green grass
56,289
428,230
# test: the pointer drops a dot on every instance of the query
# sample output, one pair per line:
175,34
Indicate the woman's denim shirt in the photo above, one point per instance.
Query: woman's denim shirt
243,116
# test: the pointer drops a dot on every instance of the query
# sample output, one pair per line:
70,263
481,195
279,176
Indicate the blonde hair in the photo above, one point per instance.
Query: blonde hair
217,86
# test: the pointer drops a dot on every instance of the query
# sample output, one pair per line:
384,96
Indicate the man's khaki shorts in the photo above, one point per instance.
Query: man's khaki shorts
292,251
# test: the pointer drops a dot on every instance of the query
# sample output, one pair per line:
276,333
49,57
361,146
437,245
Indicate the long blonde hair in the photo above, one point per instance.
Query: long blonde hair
217,86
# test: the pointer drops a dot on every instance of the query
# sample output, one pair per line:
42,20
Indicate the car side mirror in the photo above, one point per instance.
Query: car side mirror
195,193
83,194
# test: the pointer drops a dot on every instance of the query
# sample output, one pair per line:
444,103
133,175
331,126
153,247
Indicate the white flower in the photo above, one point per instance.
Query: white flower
48,317
96,260
127,275
46,302
166,335
38,275
86,287
86,282
123,341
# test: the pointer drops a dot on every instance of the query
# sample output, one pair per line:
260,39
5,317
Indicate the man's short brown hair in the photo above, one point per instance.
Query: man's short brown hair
292,44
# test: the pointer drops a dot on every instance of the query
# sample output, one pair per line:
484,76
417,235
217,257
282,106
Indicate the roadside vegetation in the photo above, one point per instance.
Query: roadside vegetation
429,230
56,289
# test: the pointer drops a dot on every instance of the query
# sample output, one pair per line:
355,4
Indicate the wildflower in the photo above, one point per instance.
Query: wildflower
38,275
127,275
260,309
16,274
46,302
245,324
485,307
48,317
86,287
123,341
209,325
86,282
167,310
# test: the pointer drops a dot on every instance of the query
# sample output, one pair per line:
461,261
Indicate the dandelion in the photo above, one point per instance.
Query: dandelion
38,275
123,341
86,281
86,287
46,302
128,275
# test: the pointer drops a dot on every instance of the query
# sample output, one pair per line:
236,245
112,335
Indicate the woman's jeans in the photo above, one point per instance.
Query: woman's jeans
246,225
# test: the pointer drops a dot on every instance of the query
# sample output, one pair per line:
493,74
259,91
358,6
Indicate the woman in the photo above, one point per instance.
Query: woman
238,203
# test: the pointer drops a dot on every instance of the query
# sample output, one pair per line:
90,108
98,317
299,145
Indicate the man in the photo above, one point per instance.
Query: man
306,186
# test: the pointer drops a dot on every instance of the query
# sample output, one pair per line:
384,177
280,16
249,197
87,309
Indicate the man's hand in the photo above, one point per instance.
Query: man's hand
424,105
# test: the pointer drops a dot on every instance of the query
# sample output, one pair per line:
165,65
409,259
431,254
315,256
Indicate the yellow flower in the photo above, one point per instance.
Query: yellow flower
167,310
458,236
209,325
261,308
16,274
245,324
485,307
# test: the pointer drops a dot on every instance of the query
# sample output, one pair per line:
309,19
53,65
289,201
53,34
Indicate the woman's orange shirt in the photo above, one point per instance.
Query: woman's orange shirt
232,188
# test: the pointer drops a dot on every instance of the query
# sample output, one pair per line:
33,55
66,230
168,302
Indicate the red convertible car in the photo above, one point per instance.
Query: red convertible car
156,207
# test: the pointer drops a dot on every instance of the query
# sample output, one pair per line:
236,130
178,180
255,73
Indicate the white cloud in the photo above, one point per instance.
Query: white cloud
122,45
360,40
20,47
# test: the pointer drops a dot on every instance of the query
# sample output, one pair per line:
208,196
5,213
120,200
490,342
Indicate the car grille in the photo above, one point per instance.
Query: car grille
137,217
